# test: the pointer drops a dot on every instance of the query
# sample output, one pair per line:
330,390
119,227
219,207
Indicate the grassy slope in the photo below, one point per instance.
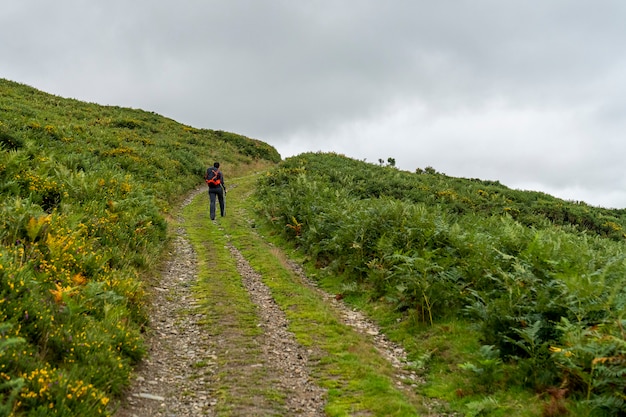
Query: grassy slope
86,191
448,265
456,195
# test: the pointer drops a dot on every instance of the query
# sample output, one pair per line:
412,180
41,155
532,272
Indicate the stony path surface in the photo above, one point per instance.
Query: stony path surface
178,376
169,382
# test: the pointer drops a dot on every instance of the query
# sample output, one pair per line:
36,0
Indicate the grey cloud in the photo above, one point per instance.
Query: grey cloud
324,75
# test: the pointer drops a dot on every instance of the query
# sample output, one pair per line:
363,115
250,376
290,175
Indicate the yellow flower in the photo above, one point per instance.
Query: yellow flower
79,279
59,292
555,349
126,187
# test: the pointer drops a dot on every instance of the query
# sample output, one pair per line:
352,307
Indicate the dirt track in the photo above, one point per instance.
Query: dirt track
186,359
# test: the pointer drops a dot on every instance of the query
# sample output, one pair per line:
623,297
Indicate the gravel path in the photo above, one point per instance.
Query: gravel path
177,377
168,382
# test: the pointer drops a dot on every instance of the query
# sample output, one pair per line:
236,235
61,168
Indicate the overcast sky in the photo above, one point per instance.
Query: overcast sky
530,93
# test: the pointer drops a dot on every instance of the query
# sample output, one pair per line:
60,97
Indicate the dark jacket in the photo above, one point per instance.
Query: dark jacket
220,176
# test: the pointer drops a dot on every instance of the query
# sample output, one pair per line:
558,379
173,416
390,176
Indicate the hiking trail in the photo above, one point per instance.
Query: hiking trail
211,355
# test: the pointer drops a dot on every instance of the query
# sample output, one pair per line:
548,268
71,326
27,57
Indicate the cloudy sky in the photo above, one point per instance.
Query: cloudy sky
530,93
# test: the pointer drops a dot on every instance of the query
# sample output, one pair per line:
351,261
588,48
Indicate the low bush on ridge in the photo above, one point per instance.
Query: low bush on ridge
84,191
546,294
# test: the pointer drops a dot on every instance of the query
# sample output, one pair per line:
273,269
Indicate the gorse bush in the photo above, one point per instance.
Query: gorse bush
85,190
433,247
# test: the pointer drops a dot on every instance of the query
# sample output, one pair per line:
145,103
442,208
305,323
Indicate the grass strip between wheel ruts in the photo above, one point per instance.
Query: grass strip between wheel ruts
230,317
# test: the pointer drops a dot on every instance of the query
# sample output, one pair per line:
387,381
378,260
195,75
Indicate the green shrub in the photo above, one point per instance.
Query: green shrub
487,371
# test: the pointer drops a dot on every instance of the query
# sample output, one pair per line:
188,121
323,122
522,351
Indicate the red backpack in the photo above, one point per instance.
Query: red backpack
212,177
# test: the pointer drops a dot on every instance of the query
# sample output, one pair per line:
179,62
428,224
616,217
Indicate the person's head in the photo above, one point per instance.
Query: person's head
216,164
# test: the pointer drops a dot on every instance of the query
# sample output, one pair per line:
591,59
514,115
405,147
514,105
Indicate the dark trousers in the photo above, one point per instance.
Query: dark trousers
219,193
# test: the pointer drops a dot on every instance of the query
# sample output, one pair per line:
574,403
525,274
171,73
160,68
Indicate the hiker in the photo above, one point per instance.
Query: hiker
215,180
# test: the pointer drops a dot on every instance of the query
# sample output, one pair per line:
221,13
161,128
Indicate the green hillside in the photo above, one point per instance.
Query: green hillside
495,291
85,193
503,298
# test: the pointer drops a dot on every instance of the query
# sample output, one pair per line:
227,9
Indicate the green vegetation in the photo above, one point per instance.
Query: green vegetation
448,265
85,194
509,302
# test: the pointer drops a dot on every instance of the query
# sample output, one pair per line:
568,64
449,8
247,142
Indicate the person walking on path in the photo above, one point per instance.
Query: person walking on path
215,180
